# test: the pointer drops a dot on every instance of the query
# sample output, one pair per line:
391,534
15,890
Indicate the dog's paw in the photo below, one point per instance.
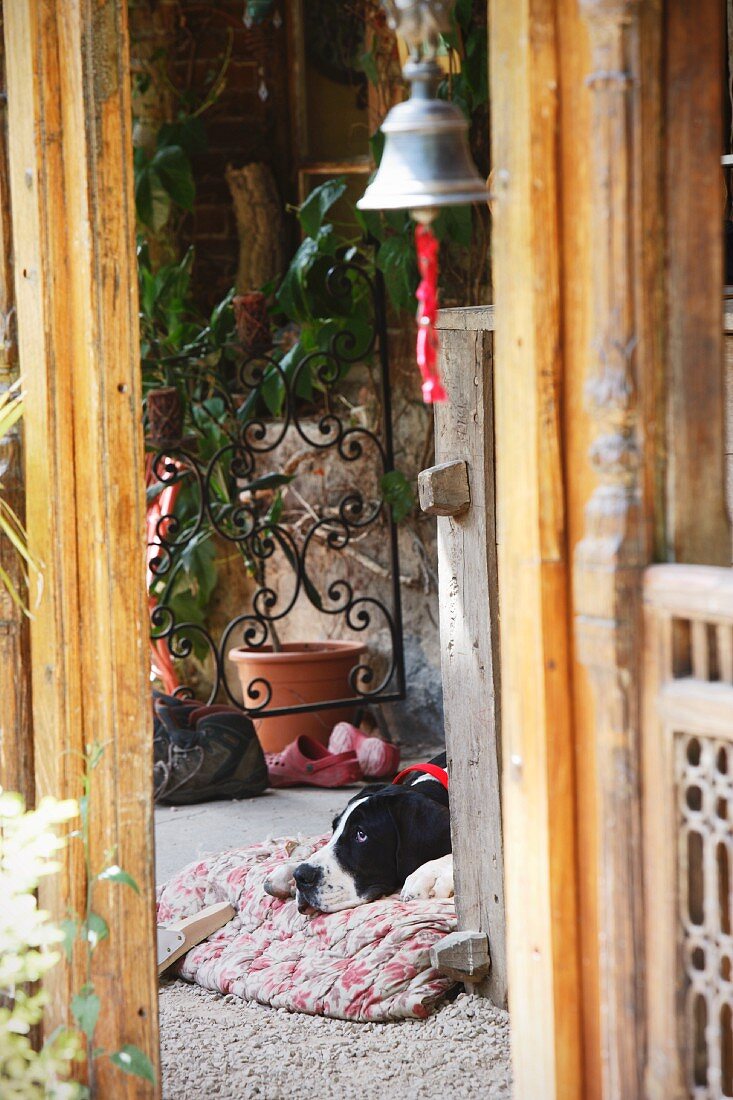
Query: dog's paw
281,883
432,880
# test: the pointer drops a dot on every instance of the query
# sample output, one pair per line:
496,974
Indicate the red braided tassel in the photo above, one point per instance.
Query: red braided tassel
427,314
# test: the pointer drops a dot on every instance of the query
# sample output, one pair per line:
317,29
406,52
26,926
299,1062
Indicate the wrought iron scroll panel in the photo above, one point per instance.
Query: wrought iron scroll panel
228,501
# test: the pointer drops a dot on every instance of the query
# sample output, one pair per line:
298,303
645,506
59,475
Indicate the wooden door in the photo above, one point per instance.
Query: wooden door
687,761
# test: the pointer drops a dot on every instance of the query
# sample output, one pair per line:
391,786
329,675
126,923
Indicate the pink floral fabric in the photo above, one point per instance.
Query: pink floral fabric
369,963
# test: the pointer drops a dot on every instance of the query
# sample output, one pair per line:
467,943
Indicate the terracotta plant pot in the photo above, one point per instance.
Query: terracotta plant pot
252,321
165,415
308,672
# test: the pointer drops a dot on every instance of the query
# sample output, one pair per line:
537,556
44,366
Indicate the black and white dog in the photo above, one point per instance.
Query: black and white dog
388,839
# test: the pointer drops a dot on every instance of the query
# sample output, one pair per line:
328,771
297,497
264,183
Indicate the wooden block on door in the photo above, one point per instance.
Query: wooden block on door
463,956
444,489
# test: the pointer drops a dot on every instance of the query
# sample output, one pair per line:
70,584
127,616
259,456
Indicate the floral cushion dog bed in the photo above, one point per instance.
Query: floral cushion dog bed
369,963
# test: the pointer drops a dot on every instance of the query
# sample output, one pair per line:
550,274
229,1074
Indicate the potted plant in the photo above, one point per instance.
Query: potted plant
298,673
168,338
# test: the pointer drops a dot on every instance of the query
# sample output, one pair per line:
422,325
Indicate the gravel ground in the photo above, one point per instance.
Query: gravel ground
215,1046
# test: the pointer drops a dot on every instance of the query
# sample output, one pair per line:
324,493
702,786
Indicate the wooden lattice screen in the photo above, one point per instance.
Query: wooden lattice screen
688,830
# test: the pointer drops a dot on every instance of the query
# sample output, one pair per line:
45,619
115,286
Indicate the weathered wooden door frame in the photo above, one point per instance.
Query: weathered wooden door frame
469,633
533,558
16,727
73,225
607,269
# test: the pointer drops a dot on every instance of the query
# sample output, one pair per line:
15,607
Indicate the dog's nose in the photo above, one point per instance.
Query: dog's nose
305,875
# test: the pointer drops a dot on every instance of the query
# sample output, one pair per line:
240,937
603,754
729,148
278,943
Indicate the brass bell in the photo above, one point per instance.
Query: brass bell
426,161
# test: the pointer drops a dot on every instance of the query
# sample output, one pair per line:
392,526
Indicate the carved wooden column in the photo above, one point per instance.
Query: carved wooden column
610,558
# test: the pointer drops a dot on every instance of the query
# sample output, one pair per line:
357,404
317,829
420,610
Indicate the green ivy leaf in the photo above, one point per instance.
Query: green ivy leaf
95,752
152,492
130,1059
222,318
455,224
376,145
290,296
173,168
147,290
187,609
272,391
396,260
69,932
400,221
275,510
368,64
268,481
319,202
398,494
360,332
327,240
113,873
96,929
188,133
304,384
370,221
152,202
198,559
85,1009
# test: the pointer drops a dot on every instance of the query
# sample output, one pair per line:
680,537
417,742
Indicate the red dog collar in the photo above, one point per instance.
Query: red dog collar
429,769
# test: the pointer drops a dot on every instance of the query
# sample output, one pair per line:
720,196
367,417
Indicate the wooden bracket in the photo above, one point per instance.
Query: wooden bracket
463,956
444,489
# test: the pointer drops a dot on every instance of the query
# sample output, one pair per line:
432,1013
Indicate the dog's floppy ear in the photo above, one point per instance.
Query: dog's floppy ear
365,792
370,789
423,831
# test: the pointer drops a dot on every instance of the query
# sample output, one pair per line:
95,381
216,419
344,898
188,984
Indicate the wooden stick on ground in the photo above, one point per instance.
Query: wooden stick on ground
176,939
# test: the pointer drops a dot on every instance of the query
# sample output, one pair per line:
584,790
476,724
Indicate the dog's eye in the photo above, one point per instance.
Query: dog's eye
360,836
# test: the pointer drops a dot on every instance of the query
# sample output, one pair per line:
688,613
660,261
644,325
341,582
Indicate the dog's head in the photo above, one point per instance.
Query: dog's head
381,837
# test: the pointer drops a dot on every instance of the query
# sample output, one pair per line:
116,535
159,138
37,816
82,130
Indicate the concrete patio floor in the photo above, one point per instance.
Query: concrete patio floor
184,833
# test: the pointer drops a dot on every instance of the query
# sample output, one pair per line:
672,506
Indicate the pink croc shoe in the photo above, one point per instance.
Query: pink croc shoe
306,763
378,759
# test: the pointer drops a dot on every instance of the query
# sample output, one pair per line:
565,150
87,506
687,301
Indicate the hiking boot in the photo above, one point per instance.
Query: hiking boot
220,757
173,705
173,713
